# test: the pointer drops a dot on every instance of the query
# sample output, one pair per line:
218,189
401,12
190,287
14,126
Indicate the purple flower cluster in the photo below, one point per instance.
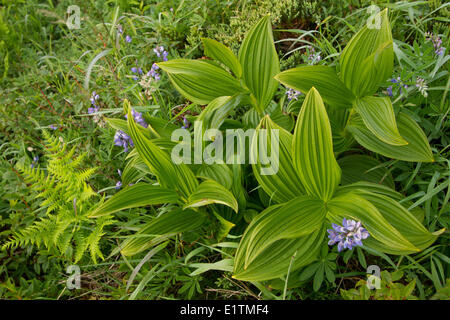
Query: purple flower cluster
121,139
128,39
437,43
186,123
152,72
161,53
396,82
293,94
312,56
53,127
94,100
347,236
34,162
138,117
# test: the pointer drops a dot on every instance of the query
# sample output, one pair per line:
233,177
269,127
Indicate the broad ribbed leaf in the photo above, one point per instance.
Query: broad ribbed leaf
138,195
417,149
177,177
259,61
383,235
275,260
294,219
378,116
357,168
134,170
209,192
168,224
222,53
313,149
284,185
220,173
368,58
200,81
218,110
401,219
324,79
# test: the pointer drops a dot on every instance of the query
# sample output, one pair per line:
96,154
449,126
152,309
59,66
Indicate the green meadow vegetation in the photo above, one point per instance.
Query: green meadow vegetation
349,96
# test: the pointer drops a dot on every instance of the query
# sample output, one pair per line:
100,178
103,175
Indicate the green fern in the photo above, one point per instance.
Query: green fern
66,229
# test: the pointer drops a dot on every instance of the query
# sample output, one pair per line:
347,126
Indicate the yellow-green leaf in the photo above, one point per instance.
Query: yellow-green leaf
378,116
313,149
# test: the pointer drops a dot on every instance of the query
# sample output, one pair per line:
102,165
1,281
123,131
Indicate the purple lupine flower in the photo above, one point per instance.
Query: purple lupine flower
119,172
161,53
293,94
118,185
53,127
94,98
121,139
152,72
34,162
134,70
437,43
119,29
186,123
139,70
93,110
347,236
389,91
138,117
128,39
313,56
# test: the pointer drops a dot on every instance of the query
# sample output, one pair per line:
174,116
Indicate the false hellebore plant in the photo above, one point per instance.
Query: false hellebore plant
309,193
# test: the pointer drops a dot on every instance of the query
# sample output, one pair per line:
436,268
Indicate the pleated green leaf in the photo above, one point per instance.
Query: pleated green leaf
368,58
417,149
358,167
313,149
324,79
200,81
401,219
218,110
138,195
383,235
220,173
276,259
378,116
177,177
160,228
222,53
209,192
285,184
259,61
294,219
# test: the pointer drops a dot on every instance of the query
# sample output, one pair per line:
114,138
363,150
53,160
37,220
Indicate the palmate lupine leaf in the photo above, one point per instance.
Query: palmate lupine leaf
312,149
417,149
368,59
378,116
222,53
138,195
285,185
200,81
259,61
323,78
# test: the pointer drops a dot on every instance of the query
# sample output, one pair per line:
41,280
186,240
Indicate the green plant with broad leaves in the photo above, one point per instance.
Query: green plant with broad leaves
310,190
365,63
296,225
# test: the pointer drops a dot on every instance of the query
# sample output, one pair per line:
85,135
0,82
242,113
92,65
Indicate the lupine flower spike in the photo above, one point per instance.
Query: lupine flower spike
347,236
293,94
